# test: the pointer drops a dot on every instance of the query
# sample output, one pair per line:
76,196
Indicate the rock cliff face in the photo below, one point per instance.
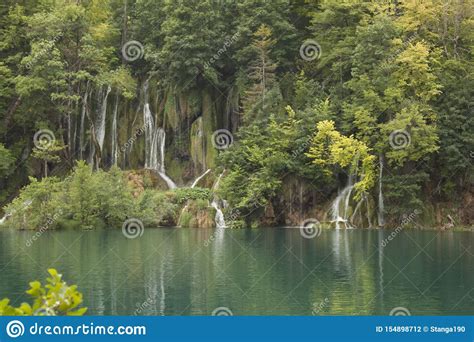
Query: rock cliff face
111,130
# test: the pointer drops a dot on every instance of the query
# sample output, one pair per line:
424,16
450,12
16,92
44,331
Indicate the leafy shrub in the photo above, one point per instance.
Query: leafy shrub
182,195
156,208
56,298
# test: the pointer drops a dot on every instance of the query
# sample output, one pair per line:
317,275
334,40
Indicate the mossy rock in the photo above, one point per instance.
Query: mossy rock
197,214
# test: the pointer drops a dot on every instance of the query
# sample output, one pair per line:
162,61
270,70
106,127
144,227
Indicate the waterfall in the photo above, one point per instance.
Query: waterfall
81,129
219,218
381,218
199,178
114,137
340,206
99,130
100,127
155,138
4,218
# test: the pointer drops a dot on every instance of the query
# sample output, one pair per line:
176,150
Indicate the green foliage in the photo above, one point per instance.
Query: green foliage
47,152
182,195
6,161
38,206
385,67
156,208
330,148
56,298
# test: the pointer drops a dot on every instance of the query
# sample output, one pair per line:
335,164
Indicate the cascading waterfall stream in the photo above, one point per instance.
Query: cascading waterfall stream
339,214
100,127
81,129
114,137
381,219
199,178
4,218
155,139
219,218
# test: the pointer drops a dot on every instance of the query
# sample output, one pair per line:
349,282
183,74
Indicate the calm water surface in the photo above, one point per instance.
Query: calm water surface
251,272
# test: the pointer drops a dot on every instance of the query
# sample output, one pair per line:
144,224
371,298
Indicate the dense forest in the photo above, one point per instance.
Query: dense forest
237,113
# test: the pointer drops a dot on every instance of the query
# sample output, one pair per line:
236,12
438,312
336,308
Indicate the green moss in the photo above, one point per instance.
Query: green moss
209,117
170,111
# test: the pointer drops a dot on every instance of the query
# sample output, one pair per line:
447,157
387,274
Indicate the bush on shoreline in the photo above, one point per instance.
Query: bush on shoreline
90,199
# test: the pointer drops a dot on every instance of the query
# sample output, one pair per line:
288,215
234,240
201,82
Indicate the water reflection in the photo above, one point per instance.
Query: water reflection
251,272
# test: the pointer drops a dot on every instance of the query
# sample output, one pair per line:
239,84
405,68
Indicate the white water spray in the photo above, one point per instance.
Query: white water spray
114,144
81,129
219,218
381,218
100,127
340,206
199,178
155,138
